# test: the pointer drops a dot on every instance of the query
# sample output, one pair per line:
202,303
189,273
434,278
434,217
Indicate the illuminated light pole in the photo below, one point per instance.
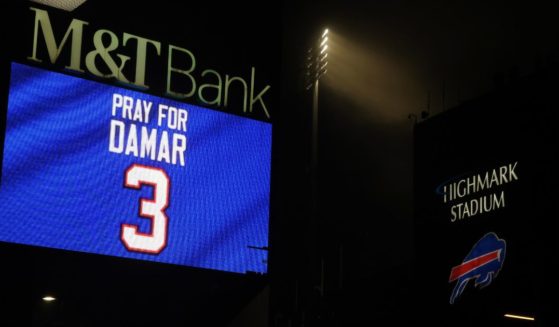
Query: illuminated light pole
321,61
317,61
315,67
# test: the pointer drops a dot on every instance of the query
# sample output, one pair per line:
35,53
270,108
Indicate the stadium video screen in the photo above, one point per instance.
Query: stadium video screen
95,168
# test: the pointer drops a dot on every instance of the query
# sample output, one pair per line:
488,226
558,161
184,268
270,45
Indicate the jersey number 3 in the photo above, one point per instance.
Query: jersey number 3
155,241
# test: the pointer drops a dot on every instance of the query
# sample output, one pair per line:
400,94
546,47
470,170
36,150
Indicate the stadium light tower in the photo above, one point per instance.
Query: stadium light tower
316,64
317,61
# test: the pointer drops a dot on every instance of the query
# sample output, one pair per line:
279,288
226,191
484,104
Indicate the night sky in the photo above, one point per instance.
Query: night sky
391,64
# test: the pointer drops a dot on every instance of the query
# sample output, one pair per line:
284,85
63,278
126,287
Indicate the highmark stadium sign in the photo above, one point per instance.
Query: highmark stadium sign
106,60
96,168
475,194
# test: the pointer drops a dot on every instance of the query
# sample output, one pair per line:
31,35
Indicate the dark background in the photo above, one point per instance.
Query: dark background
391,63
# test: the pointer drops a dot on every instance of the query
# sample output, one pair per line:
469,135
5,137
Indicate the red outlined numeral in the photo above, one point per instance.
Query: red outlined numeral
154,209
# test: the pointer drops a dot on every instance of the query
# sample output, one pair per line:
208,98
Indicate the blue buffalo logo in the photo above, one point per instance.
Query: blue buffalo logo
483,264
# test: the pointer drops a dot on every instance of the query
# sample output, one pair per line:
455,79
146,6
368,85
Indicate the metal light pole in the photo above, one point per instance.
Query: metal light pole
317,60
321,62
305,312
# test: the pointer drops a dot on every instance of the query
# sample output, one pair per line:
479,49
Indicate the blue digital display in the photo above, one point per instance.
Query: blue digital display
99,169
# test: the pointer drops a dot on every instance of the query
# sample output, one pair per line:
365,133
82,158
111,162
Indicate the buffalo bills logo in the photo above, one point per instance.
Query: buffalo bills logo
483,264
